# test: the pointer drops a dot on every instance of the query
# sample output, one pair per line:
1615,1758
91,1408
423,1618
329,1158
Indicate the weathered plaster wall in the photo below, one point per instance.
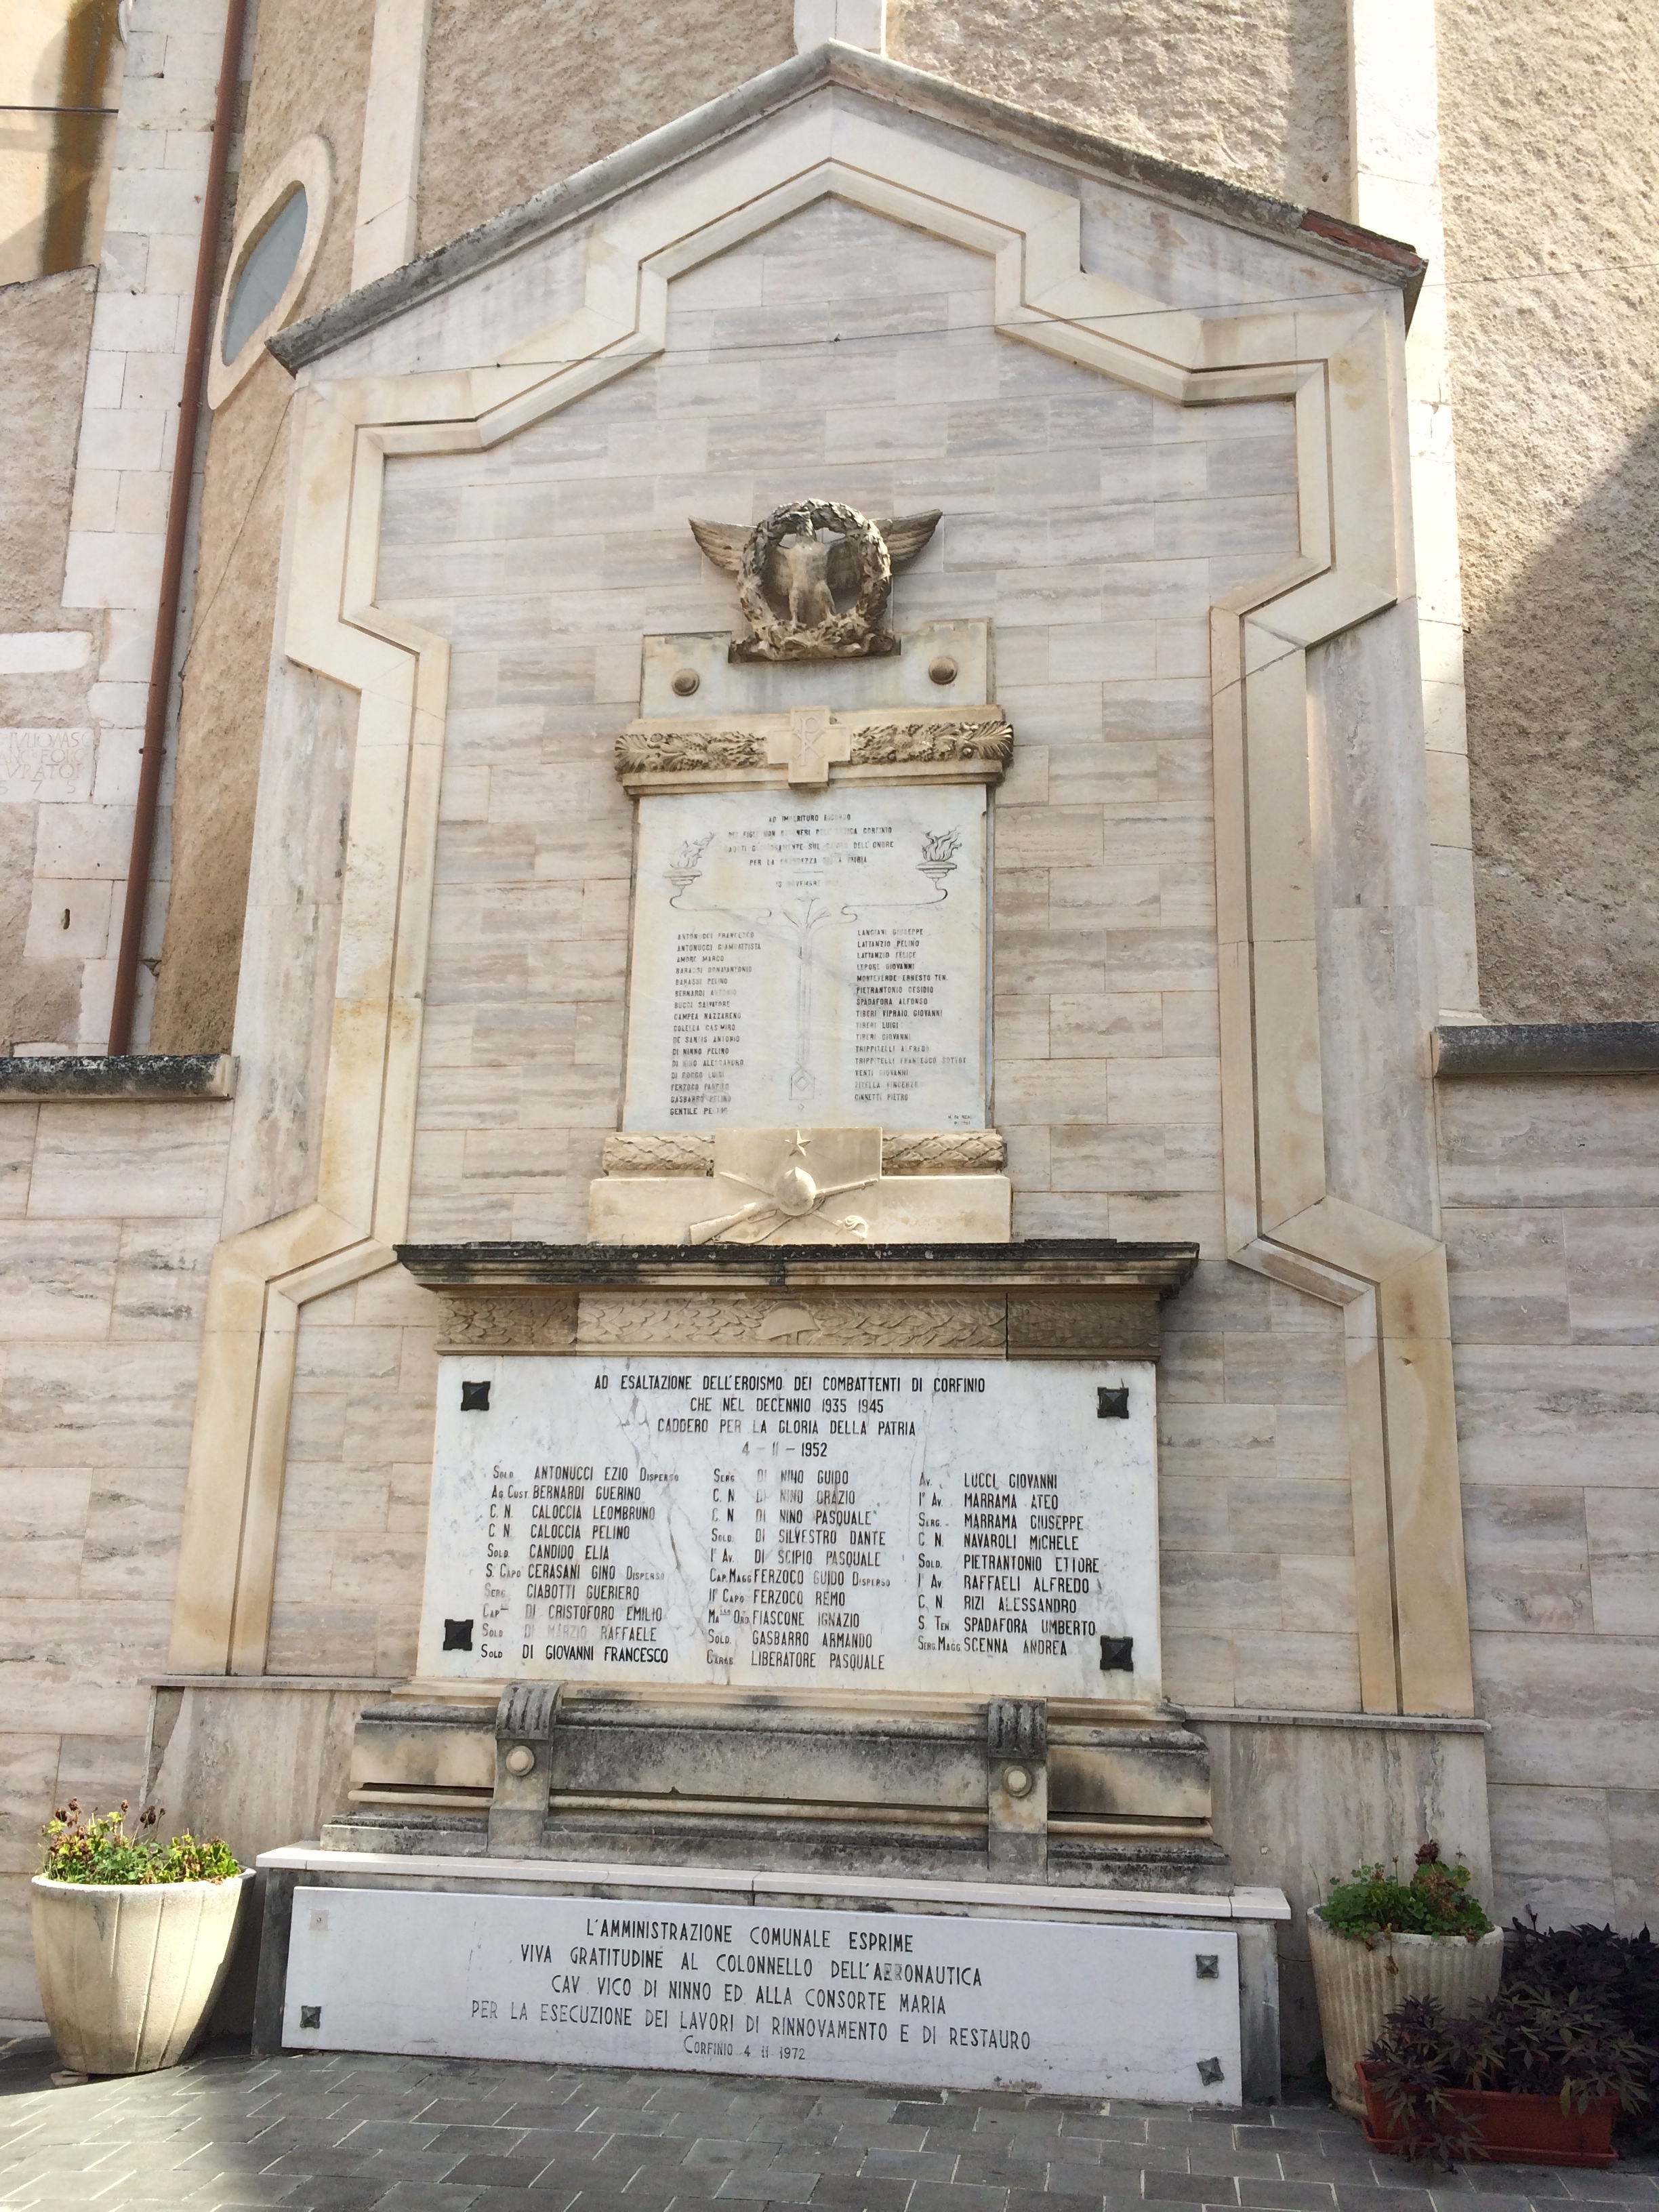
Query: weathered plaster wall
107,1216
1550,169
310,73
1256,91
520,96
1551,1223
45,330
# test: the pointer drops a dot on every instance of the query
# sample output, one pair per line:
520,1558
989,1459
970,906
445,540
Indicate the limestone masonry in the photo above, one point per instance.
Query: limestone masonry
801,1134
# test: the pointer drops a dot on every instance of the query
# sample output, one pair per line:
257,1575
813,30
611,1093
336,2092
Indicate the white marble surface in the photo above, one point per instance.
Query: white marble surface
725,686
809,956
891,1525
754,1885
930,1999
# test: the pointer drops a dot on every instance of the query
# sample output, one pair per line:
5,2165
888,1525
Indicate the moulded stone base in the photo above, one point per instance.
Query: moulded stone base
1027,1791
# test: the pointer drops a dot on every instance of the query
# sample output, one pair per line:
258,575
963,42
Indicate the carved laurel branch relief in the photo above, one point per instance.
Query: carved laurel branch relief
648,1153
518,1321
934,741
924,1151
677,752
944,1151
895,1324
671,752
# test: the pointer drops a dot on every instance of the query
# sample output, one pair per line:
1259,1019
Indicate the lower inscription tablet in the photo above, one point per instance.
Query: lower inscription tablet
927,1998
981,1526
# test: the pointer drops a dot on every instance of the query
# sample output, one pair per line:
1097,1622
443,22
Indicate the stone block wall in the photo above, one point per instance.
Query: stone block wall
1551,1224
108,1212
352,1552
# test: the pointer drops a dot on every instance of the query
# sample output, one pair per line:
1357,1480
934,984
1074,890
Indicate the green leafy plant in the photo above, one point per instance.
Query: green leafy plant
1529,2040
1436,1901
98,1847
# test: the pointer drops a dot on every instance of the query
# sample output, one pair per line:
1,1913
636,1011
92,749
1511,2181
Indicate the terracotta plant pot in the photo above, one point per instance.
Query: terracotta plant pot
1359,1983
130,1972
1517,2130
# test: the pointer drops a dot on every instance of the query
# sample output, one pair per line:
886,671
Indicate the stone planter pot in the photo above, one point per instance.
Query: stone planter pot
1358,1983
128,1971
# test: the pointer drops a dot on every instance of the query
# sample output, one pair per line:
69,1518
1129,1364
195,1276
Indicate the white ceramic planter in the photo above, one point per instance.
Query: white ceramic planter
129,1973
1360,1983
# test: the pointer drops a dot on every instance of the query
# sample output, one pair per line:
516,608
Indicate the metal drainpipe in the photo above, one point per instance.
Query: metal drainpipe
173,560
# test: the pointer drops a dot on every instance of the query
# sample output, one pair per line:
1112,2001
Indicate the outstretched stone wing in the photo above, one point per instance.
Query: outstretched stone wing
905,535
723,541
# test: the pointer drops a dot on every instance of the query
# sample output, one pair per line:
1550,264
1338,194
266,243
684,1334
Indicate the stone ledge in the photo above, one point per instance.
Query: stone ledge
753,1886
157,1076
1505,1048
1035,1263
1406,1723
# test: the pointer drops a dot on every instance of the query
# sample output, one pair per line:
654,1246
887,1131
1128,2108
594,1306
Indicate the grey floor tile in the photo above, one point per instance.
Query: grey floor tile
775,2185
1286,2196
909,2164
427,2196
1082,2177
968,2196
479,2169
887,2136
1026,2173
1258,2165
1451,2199
860,2193
1161,2186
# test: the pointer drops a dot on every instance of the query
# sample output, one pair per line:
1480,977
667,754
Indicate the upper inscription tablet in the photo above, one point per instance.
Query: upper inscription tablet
975,1526
809,956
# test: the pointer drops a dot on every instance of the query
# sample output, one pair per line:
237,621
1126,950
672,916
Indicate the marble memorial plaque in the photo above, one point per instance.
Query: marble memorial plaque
930,1999
814,957
974,1526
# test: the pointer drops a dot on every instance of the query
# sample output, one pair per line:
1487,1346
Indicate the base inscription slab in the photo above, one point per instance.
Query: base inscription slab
952,1526
934,2000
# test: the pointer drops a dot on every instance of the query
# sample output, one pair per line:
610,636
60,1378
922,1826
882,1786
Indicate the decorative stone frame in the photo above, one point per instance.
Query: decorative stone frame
1341,368
309,164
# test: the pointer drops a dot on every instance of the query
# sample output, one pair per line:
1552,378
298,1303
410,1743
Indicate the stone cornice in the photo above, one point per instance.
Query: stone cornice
1510,1049
1037,1264
128,1075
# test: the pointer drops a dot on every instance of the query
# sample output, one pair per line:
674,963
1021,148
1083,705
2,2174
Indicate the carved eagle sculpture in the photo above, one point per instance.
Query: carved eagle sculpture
799,571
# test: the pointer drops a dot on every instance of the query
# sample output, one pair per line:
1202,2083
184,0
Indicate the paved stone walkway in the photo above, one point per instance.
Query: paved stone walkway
403,2135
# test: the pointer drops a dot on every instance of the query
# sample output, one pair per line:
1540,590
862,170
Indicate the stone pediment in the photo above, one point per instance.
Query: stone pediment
883,83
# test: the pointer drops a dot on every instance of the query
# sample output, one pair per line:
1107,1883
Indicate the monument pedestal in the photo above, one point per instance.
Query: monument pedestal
1017,1789
837,1976
835,1565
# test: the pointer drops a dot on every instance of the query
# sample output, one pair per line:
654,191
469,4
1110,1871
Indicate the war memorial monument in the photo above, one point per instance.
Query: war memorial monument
822,1227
